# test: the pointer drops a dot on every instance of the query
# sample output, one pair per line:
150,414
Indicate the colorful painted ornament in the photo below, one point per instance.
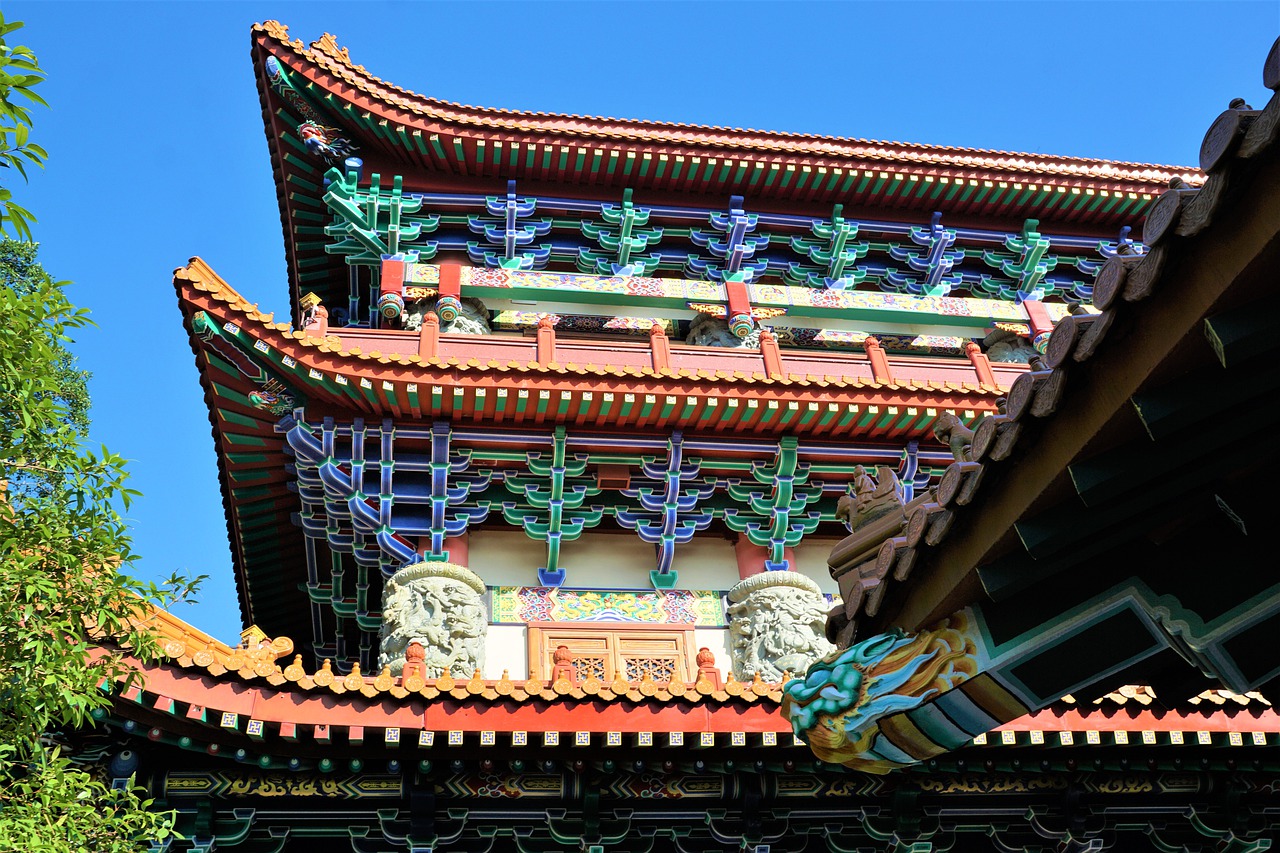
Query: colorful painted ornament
391,305
448,308
324,141
741,324
272,398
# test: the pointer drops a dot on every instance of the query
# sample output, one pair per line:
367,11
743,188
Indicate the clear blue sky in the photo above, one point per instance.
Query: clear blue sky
157,149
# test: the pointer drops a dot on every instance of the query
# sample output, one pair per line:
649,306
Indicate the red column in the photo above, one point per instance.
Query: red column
450,279
392,280
1041,325
751,557
459,549
429,336
771,354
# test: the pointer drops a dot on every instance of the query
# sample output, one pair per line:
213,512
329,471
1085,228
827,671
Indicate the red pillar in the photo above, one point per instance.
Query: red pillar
771,354
429,336
660,344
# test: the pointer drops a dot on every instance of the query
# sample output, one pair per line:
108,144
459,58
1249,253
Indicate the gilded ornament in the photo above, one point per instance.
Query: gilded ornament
295,670
324,677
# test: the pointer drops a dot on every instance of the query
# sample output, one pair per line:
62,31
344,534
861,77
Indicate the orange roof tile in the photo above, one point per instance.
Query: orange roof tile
325,54
191,649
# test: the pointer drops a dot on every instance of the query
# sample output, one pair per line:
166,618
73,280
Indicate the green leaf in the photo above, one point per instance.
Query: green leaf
64,547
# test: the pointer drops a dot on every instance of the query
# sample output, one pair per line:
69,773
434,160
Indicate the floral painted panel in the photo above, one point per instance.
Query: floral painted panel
701,607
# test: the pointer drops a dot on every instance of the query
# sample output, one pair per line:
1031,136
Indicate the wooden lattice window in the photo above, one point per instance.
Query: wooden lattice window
612,650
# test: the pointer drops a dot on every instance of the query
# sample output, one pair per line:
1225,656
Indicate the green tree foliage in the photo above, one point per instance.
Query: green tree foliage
58,808
71,609
19,74
22,274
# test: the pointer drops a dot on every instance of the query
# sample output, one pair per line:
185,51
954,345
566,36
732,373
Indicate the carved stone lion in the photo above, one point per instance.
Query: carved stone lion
708,331
1004,346
472,320
440,606
777,624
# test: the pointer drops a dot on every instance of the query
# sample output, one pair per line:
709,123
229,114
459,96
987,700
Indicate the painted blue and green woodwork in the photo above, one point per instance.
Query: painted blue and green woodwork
669,514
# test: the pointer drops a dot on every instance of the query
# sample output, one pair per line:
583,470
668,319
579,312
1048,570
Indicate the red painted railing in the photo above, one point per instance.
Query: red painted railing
658,351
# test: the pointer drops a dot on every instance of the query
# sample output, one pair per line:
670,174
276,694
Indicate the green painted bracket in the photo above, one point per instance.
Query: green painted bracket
622,242
1030,262
370,223
775,520
552,510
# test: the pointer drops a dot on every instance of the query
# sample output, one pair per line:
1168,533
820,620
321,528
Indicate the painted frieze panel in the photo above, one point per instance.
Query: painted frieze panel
521,604
229,784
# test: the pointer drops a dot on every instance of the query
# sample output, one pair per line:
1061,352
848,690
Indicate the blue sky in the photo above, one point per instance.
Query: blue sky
157,150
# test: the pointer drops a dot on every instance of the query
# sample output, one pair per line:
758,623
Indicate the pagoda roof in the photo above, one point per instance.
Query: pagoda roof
356,759
237,692
1099,458
470,379
332,67
436,146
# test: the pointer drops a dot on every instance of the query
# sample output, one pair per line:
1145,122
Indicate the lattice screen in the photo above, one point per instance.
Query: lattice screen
609,651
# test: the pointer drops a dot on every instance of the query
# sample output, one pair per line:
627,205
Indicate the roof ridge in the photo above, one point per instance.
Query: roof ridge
326,52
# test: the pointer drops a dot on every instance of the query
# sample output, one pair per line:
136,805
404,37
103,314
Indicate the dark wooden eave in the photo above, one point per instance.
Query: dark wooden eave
1165,409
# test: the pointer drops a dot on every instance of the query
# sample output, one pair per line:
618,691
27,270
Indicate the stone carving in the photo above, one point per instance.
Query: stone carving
959,438
1004,346
777,622
870,499
472,319
708,331
440,607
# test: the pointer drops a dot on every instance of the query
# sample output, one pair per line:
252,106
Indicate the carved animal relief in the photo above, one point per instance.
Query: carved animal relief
777,622
439,606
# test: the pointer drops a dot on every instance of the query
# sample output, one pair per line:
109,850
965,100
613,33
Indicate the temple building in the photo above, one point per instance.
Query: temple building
630,486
